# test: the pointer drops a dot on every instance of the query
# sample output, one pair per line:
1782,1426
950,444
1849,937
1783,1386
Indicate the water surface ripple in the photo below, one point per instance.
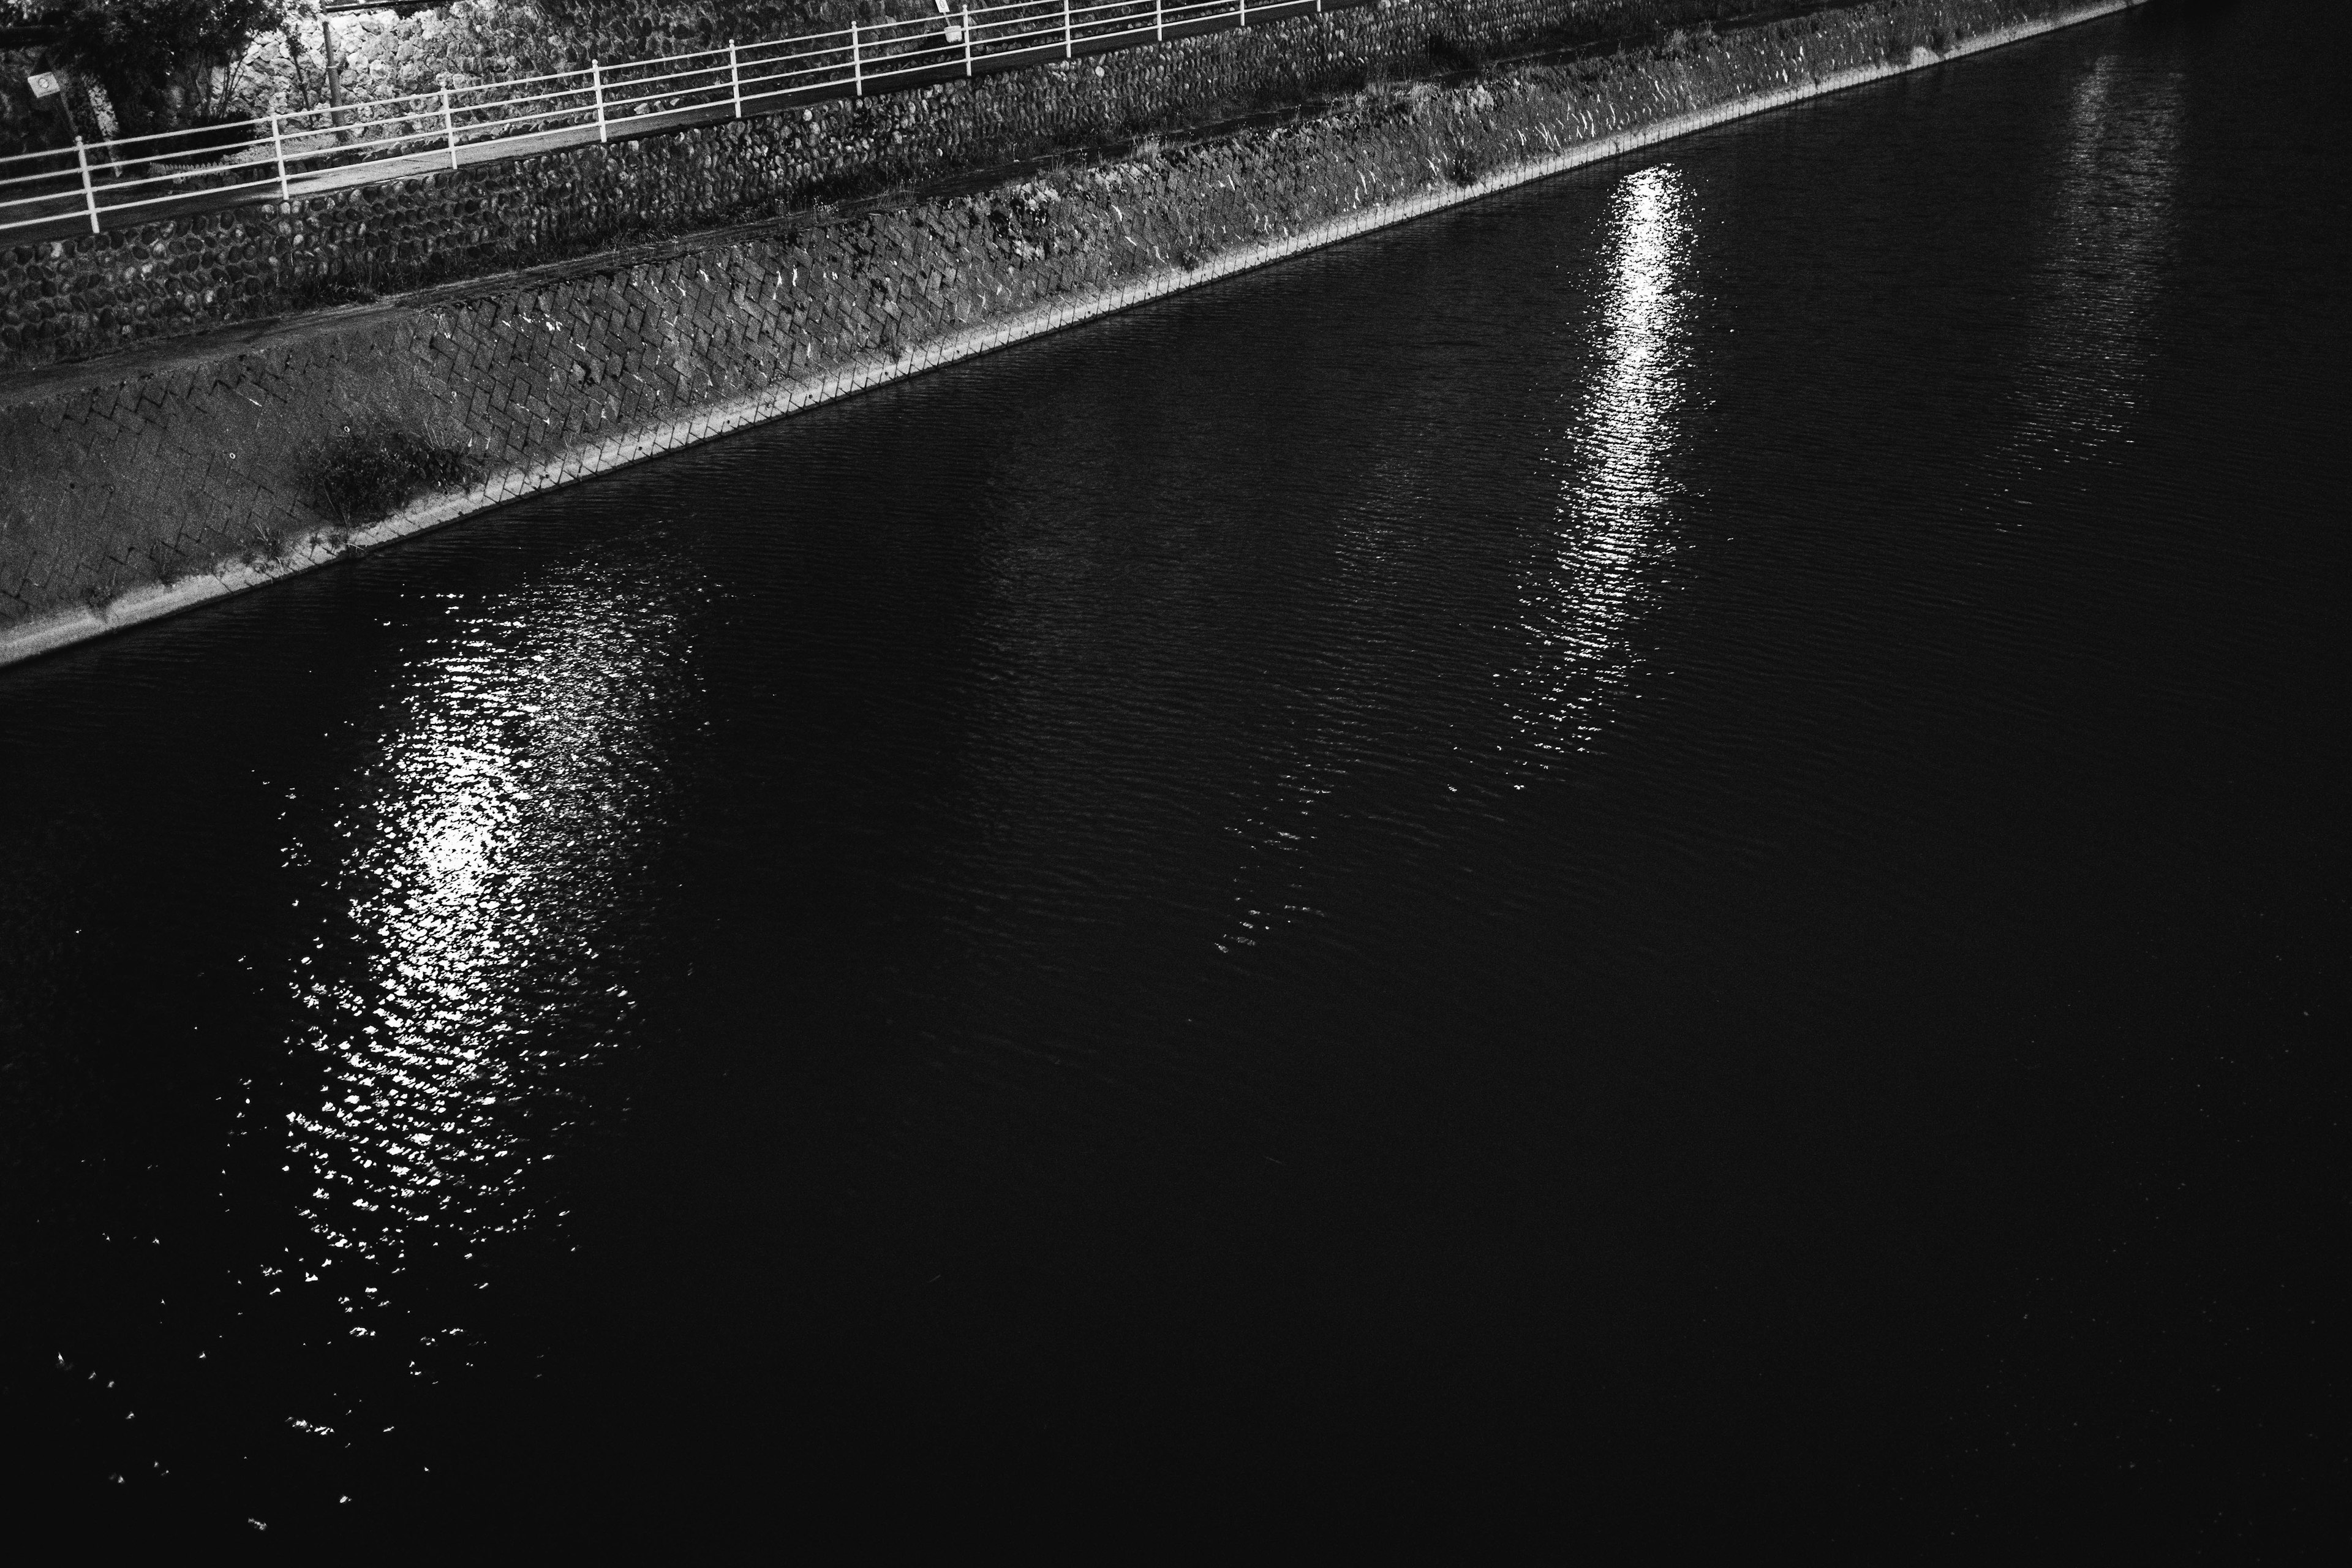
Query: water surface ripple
1682,825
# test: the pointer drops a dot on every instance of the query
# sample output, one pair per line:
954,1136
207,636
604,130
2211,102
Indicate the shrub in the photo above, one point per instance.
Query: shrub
360,478
164,63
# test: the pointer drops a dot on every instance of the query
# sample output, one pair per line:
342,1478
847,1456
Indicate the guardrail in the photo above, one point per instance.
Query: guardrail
279,157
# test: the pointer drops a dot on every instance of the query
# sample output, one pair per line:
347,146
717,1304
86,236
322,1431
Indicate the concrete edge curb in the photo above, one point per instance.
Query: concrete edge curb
60,629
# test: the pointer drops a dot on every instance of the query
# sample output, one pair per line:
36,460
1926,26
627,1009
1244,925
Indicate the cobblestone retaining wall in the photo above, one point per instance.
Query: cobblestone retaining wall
122,496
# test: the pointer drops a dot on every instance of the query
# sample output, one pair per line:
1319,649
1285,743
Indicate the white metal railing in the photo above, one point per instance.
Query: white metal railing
130,179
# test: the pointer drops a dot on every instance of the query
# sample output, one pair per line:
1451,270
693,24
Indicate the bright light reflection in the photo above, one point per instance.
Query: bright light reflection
1593,572
488,843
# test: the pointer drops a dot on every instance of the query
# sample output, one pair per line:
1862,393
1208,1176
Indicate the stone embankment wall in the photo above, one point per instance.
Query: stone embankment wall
72,297
124,495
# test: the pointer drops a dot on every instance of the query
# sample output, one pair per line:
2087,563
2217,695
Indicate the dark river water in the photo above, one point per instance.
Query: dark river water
1685,830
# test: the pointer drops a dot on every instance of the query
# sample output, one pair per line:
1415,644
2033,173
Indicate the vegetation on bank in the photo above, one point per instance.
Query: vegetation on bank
130,66
361,476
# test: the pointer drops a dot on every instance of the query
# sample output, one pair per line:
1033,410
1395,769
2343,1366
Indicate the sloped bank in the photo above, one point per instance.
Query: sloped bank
140,490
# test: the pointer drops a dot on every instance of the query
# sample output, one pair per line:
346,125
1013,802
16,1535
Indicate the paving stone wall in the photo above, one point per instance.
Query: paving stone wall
231,458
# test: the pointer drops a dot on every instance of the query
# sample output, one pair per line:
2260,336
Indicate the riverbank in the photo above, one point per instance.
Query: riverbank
144,487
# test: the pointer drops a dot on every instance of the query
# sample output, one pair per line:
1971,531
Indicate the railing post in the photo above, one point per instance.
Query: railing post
1066,29
596,80
857,61
88,191
1159,21
735,75
1244,5
278,146
448,125
967,43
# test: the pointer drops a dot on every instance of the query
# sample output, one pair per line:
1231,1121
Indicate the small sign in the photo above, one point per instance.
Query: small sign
45,84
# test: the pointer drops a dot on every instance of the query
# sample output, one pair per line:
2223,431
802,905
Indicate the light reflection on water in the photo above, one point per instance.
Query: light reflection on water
996,757
1594,572
2106,254
484,853
1594,567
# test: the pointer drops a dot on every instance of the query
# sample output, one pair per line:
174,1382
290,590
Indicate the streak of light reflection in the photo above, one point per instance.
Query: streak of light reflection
1595,568
483,856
